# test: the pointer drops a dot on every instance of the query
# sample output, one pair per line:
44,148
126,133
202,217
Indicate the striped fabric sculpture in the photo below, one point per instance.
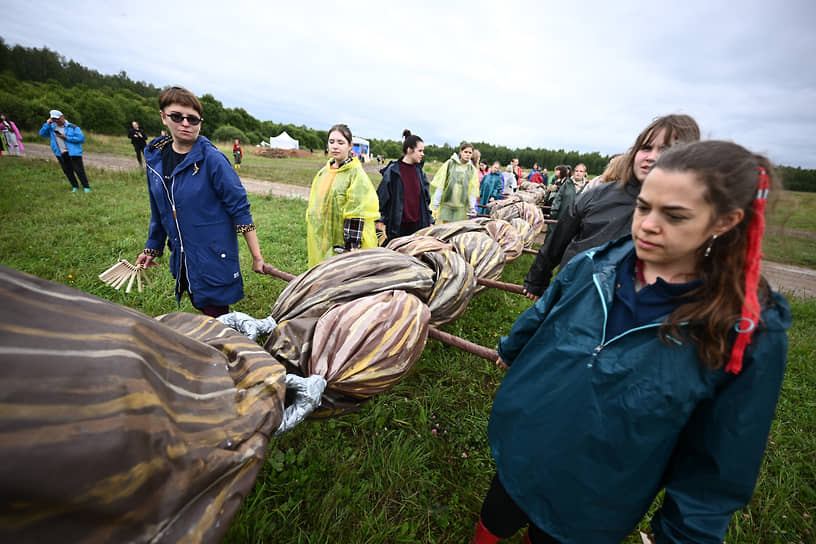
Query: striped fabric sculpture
454,278
506,235
512,208
121,428
364,347
483,253
524,230
348,279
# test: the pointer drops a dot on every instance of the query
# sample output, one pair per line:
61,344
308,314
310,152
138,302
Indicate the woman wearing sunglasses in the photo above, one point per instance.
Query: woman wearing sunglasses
197,204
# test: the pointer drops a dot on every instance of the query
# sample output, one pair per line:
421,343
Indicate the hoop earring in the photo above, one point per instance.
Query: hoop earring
710,244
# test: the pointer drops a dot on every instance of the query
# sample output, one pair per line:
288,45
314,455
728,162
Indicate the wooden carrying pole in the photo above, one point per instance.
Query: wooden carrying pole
447,338
504,286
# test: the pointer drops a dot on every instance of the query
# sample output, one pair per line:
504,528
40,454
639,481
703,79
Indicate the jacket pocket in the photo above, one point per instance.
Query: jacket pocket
220,267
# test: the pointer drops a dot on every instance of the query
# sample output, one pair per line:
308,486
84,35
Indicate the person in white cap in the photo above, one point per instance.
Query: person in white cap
66,142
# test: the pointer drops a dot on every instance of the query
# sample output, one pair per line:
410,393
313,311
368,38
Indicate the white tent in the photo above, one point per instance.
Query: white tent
361,146
283,141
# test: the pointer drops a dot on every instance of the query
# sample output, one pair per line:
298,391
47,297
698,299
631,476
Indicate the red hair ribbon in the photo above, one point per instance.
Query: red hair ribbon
753,256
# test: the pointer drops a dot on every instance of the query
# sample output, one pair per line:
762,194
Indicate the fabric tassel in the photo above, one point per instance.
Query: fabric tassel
753,255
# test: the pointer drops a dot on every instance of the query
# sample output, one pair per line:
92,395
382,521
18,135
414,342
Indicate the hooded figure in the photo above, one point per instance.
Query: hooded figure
339,194
456,187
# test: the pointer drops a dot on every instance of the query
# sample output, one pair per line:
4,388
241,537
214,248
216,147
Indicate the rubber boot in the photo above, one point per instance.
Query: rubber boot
483,535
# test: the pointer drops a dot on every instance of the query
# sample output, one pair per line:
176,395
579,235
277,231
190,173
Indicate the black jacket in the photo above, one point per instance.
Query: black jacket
137,138
391,195
598,216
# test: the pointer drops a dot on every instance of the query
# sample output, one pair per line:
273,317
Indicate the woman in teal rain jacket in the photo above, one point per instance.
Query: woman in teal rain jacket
491,188
641,368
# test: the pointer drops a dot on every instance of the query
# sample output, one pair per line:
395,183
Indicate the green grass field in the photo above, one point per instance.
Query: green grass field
413,464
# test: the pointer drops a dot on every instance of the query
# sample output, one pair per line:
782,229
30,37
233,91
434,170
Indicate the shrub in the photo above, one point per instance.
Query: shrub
227,133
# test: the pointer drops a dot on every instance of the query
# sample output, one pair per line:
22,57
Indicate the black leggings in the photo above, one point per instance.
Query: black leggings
504,518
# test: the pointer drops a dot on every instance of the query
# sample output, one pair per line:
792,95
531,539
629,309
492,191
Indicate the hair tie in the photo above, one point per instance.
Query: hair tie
753,256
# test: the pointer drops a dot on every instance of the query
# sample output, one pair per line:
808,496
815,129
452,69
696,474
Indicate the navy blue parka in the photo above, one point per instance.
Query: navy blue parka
196,212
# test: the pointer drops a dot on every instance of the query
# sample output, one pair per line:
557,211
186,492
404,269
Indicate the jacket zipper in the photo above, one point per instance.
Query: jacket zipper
171,198
597,350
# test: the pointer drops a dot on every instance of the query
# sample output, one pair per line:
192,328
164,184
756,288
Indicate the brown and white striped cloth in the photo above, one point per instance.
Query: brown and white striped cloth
115,427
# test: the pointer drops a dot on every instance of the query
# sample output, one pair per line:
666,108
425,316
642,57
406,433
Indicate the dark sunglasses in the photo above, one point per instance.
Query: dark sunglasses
178,118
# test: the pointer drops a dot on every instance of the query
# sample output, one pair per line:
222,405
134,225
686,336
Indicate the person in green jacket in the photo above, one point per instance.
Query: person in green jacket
651,363
455,187
343,205
569,191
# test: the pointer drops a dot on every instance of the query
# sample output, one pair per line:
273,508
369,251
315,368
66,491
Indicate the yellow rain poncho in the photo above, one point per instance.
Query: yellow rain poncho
338,195
455,188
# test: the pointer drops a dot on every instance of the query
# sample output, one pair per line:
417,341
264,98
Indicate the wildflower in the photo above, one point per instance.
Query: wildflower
433,431
464,455
806,515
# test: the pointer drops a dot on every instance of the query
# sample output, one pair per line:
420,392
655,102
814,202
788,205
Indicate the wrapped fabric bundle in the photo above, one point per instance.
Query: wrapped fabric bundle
507,209
533,215
454,278
524,230
505,234
417,244
446,231
532,192
348,276
343,278
117,427
483,253
364,347
524,210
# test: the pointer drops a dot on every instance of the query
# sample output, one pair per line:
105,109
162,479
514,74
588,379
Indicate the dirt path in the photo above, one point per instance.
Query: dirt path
791,280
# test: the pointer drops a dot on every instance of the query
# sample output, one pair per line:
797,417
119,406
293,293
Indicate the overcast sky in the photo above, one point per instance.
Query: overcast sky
577,75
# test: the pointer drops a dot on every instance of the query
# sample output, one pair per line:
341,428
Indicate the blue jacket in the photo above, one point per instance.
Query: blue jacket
73,138
492,185
585,430
390,193
209,203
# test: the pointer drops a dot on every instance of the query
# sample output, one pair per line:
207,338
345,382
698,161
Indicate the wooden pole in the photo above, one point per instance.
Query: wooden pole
504,286
486,353
272,271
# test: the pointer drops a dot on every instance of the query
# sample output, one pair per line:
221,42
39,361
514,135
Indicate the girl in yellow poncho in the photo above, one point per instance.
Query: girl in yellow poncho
456,187
343,204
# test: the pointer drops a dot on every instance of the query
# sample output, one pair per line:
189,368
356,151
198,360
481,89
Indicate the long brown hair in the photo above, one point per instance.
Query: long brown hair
730,174
679,127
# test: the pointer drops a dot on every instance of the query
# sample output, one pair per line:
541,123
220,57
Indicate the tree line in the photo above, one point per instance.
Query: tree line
36,80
